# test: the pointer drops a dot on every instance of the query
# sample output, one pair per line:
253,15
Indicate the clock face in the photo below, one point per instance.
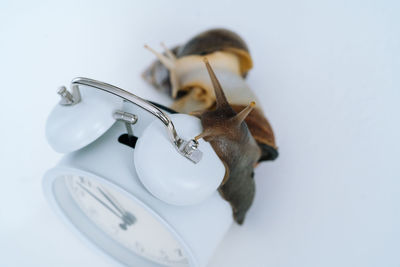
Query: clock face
126,221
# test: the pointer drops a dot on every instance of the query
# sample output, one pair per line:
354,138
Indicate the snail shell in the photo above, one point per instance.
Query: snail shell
218,40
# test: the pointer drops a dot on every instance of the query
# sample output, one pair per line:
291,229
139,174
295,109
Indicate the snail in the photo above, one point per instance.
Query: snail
218,94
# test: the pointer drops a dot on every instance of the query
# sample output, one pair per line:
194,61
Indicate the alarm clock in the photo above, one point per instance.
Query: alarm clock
133,183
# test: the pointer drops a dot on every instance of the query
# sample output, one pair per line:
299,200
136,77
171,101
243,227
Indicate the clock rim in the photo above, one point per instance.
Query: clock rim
47,185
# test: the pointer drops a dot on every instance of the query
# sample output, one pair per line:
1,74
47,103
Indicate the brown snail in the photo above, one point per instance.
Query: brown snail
220,97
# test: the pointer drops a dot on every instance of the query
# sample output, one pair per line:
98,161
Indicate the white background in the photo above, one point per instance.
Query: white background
326,73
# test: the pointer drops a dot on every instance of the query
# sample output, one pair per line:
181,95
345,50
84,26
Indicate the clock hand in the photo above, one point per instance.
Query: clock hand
127,217
99,200
112,202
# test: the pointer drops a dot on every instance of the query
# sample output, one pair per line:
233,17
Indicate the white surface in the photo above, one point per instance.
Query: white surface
327,76
175,179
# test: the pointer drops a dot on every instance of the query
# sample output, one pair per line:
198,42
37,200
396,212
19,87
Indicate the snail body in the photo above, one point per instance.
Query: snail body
219,95
231,139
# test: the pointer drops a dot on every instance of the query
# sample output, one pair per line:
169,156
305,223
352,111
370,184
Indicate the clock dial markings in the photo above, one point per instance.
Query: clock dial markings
114,213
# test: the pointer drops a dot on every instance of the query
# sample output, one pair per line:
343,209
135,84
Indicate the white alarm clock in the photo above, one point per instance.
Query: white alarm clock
133,181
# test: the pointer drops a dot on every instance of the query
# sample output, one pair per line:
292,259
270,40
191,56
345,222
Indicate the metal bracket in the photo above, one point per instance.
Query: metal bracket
128,118
190,150
67,98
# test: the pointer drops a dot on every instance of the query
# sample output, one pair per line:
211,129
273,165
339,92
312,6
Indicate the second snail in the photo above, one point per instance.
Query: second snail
206,78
